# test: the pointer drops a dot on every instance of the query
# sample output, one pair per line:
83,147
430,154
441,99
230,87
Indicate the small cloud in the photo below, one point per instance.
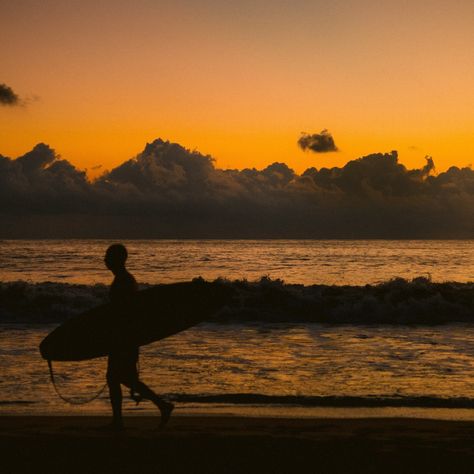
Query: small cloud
8,96
413,148
318,142
96,167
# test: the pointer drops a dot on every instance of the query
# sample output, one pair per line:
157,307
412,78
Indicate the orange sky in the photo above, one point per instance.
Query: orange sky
240,80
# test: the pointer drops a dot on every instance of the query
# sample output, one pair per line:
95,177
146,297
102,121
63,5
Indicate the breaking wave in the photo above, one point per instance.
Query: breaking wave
398,301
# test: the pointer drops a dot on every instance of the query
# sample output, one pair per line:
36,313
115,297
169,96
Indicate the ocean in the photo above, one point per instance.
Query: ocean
333,328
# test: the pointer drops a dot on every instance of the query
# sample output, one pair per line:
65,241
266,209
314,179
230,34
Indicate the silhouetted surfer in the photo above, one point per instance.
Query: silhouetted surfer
122,364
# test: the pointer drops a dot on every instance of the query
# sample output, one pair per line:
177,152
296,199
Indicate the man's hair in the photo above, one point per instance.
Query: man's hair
118,253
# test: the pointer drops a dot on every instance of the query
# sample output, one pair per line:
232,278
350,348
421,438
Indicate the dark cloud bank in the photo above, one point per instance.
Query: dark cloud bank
168,191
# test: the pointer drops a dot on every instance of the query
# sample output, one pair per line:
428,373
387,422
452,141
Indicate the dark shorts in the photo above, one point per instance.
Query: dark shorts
122,368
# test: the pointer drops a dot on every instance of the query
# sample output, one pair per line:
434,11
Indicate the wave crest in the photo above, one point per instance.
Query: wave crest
398,301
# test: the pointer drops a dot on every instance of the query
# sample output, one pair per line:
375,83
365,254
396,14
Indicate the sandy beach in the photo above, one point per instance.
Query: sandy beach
213,444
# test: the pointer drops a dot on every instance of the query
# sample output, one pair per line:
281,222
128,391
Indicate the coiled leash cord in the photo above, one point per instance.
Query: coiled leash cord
133,395
72,401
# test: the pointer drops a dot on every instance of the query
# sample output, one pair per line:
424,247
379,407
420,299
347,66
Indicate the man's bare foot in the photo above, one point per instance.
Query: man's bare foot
166,409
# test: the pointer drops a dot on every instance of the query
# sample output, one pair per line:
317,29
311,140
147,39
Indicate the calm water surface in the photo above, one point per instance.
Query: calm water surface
282,360
295,261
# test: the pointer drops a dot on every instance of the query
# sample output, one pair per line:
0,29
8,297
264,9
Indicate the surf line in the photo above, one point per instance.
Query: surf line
72,401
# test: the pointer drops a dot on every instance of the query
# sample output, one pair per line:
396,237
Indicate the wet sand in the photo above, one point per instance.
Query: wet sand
218,444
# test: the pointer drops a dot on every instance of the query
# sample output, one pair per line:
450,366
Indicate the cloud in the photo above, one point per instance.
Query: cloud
41,182
168,191
7,96
318,142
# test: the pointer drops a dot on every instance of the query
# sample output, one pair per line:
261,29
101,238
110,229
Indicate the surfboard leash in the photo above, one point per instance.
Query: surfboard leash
71,401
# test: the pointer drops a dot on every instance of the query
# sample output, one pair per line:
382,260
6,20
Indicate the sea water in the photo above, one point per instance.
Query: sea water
333,262
255,366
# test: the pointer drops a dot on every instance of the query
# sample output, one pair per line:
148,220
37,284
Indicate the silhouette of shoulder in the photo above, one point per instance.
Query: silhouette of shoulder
123,288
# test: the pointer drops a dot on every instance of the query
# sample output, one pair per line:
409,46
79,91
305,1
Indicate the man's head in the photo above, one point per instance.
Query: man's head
115,257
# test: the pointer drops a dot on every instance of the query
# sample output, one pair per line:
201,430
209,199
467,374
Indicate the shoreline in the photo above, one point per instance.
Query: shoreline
228,444
283,412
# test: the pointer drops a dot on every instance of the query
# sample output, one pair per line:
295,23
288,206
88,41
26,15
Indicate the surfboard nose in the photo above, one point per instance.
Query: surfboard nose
45,349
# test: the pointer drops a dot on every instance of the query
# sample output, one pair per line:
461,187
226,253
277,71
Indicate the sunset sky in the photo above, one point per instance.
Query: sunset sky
240,80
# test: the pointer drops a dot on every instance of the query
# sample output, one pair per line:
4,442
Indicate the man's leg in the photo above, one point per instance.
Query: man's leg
115,394
146,392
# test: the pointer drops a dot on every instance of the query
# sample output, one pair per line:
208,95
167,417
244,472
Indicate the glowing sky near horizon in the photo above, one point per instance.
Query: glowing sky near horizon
240,80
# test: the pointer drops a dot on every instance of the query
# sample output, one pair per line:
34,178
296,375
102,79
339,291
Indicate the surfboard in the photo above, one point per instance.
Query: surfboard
154,314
